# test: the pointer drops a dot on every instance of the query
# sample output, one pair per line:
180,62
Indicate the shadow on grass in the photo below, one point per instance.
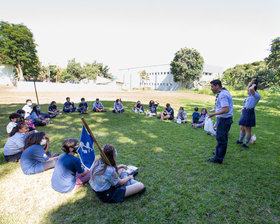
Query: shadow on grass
181,186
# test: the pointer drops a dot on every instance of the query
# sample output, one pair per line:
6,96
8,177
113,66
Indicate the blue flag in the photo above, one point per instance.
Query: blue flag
86,150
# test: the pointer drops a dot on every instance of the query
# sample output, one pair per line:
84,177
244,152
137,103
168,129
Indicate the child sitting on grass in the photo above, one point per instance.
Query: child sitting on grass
118,107
112,183
14,118
15,143
69,107
138,108
195,117
37,118
83,107
181,116
152,109
36,156
53,109
202,118
69,173
168,113
97,106
27,121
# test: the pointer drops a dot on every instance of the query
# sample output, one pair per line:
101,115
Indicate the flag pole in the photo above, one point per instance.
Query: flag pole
102,154
36,92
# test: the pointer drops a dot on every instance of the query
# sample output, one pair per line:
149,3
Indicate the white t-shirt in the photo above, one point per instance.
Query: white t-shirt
27,110
10,126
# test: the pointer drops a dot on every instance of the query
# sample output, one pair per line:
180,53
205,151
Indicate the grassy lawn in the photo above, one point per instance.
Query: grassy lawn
181,186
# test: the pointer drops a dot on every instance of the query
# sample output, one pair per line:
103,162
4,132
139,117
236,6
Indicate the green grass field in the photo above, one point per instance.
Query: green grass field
181,186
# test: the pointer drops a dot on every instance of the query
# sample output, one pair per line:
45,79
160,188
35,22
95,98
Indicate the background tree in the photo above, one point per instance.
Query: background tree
187,66
18,48
273,60
240,75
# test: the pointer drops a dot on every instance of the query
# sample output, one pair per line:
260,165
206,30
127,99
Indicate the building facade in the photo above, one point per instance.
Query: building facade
159,77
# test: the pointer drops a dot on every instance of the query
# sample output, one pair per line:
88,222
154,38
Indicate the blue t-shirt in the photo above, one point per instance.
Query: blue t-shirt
97,105
64,175
104,181
67,105
140,106
34,116
224,100
32,159
195,117
52,108
153,108
251,101
171,111
83,104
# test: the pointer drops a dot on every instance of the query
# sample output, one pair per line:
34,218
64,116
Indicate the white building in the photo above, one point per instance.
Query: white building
7,75
159,77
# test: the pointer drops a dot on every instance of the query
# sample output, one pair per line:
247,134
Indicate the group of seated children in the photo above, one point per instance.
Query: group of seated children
110,182
69,107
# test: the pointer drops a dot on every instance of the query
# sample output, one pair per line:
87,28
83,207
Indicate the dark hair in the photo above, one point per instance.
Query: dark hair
97,99
151,102
28,100
14,115
117,100
196,109
82,99
34,139
182,108
20,111
68,143
168,105
256,82
35,110
109,152
204,109
67,97
216,82
20,125
52,103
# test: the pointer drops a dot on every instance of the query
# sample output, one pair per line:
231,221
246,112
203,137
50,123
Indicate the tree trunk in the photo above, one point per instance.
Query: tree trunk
19,72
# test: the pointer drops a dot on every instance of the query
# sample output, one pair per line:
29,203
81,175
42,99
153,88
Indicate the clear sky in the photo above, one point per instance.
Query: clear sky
133,33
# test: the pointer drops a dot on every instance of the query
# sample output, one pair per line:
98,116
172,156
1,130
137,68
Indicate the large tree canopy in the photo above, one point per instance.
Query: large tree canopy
76,72
18,48
273,60
187,65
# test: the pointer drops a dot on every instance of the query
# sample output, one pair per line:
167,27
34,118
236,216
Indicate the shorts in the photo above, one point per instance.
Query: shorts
13,158
248,118
113,195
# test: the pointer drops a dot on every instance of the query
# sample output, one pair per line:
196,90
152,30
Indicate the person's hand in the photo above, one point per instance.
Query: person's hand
210,115
47,138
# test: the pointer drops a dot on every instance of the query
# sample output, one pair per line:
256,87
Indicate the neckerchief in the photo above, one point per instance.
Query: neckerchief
218,95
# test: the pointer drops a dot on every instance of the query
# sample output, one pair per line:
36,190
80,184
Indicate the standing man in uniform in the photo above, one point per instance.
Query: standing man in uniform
223,113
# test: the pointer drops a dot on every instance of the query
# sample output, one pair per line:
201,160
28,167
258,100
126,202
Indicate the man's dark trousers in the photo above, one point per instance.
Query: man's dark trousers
223,127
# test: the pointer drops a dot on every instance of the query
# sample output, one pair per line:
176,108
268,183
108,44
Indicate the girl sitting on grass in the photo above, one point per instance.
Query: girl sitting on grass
69,173
113,183
36,156
202,117
36,117
152,109
14,146
181,116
